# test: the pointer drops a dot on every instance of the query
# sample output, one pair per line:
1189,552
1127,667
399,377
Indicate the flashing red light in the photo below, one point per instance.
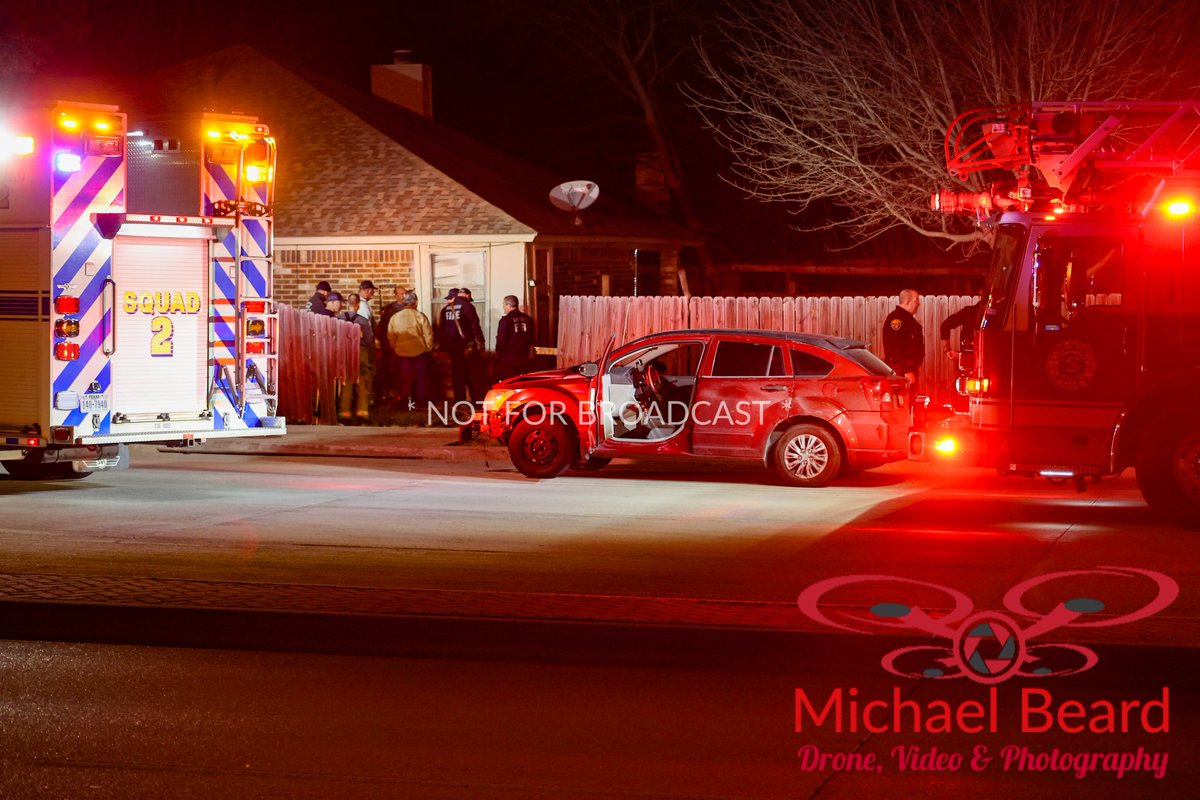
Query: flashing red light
65,304
255,306
256,347
1180,208
946,447
32,442
66,351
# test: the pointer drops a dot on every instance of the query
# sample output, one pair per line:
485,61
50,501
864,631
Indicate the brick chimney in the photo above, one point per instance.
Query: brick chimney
404,83
650,184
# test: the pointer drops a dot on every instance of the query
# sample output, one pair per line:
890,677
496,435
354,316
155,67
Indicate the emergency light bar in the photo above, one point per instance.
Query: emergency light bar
68,162
15,145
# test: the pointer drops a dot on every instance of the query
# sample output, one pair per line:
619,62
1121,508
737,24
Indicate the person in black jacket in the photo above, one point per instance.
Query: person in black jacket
386,376
316,303
461,337
514,340
967,320
904,338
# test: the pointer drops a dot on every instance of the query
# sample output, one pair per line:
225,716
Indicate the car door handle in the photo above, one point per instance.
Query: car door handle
774,387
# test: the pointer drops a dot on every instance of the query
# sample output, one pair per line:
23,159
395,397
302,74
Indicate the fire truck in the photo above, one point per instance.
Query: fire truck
1086,357
135,284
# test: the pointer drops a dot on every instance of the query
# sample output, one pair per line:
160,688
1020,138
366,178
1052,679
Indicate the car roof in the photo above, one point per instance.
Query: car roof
834,343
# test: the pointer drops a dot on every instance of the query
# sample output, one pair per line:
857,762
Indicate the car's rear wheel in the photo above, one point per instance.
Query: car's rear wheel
1168,469
541,449
807,455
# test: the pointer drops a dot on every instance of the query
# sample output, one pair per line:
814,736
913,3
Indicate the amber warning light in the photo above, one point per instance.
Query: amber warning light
15,146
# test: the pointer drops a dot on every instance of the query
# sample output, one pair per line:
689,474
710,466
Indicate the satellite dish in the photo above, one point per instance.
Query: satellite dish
574,196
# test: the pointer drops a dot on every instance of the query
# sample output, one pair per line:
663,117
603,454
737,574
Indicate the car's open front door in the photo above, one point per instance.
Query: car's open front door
592,435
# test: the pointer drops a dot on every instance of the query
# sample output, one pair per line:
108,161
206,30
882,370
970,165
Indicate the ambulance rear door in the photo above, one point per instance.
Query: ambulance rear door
160,336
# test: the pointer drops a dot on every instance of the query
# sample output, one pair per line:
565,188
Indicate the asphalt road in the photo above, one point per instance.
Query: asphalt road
632,543
605,713
444,629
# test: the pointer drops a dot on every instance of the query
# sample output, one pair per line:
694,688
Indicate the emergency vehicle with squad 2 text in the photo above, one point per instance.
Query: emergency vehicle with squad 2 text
135,284
1087,355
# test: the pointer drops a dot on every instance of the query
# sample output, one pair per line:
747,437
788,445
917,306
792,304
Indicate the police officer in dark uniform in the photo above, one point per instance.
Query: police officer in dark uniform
461,337
904,338
514,340
317,302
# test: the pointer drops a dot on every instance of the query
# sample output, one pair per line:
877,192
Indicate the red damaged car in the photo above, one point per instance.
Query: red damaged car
808,406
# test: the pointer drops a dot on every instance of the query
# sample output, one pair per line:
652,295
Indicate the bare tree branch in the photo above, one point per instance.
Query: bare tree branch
849,100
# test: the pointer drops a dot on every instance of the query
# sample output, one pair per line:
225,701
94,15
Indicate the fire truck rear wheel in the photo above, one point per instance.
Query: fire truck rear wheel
1168,469
541,448
807,455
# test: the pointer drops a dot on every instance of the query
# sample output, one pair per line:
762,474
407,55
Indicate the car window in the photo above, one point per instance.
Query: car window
747,360
867,360
807,365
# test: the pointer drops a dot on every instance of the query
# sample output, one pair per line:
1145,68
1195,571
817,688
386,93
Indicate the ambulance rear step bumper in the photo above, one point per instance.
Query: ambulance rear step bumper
186,438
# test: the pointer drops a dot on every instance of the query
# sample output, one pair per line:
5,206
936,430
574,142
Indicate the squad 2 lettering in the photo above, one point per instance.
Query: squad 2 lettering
161,302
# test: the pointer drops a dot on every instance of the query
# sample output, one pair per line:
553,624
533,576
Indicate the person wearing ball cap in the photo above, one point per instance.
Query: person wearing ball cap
461,337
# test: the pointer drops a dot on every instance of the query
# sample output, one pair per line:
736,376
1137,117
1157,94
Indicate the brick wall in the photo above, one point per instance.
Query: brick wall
297,272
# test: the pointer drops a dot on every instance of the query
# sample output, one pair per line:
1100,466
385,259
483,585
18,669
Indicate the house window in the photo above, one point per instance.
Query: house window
457,271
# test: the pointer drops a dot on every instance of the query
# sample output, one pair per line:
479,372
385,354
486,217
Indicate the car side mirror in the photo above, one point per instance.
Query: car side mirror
589,369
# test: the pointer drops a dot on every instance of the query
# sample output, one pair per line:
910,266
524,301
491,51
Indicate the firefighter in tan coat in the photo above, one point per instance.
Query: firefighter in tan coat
410,336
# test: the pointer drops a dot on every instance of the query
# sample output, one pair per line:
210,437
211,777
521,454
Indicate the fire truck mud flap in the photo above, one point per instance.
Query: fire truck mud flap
106,457
89,459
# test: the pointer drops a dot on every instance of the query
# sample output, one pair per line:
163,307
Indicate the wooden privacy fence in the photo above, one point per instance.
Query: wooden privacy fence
586,323
315,354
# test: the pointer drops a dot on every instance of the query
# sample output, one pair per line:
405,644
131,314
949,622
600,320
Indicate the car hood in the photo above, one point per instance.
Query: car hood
558,376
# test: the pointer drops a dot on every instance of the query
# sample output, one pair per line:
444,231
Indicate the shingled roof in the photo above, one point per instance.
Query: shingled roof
353,164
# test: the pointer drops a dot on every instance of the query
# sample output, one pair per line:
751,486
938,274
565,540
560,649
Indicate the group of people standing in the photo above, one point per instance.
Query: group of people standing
407,340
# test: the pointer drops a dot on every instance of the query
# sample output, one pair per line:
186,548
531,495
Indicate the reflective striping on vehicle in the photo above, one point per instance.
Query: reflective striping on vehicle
81,263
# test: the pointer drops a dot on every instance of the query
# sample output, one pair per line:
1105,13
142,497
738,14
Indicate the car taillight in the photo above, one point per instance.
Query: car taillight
879,390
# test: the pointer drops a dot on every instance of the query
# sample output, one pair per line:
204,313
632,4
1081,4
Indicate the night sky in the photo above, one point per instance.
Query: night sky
498,76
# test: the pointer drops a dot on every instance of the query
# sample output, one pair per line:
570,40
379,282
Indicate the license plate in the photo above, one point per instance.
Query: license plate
93,403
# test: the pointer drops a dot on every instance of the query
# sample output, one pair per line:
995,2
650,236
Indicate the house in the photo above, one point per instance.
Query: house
370,188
